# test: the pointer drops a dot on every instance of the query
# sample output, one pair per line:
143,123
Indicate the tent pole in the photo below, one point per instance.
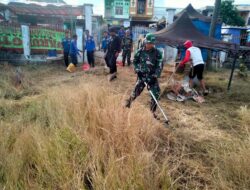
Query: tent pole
232,72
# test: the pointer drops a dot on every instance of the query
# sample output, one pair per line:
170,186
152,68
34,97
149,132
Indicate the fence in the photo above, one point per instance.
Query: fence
41,39
141,30
11,38
243,57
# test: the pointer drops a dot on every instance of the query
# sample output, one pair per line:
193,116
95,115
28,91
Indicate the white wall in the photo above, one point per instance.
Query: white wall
88,12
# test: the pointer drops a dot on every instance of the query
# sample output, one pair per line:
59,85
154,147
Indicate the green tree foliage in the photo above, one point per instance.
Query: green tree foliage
230,15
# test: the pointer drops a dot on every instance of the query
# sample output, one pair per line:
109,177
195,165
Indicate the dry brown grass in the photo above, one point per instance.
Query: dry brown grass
77,135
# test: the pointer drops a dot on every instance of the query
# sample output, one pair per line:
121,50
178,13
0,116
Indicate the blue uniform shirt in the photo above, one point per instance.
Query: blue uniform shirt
90,44
66,45
105,42
73,48
121,33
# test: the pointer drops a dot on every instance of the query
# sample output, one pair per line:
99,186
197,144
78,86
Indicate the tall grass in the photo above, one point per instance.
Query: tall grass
79,136
83,138
231,158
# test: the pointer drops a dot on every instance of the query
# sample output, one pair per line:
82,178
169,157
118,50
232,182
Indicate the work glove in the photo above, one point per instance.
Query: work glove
181,66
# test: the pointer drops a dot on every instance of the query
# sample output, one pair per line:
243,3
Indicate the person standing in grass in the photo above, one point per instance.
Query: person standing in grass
66,47
147,65
121,33
105,41
127,48
74,51
90,48
194,55
114,48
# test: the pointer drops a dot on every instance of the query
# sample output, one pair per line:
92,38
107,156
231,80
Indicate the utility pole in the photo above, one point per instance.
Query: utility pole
213,27
71,20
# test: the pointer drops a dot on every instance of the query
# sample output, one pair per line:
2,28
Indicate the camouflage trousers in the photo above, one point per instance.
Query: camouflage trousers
154,87
126,54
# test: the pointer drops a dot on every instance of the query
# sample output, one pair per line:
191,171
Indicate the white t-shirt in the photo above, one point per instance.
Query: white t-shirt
195,56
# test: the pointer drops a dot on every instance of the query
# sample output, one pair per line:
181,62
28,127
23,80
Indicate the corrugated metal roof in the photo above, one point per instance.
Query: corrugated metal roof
49,10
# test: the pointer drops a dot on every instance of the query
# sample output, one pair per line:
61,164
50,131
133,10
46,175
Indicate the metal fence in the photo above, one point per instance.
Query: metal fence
243,57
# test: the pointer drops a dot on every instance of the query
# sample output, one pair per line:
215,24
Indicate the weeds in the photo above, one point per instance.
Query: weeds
76,135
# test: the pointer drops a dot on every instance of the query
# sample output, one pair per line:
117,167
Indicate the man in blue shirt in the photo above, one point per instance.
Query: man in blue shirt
121,33
66,47
74,51
105,41
90,48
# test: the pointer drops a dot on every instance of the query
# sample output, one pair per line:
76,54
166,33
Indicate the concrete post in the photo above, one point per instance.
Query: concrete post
88,12
79,33
26,41
170,52
170,16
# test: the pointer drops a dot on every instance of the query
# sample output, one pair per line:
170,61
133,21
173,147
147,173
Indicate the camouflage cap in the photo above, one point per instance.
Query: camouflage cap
150,38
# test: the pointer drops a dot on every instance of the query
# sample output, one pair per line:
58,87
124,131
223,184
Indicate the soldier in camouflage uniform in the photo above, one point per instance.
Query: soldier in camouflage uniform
148,67
127,48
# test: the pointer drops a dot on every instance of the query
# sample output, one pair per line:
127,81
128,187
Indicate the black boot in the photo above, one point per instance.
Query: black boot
128,102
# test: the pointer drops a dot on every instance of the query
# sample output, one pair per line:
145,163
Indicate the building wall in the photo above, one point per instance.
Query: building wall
236,35
204,27
117,9
136,11
159,13
244,13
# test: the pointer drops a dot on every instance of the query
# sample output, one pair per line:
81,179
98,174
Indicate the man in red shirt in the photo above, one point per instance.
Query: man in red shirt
193,54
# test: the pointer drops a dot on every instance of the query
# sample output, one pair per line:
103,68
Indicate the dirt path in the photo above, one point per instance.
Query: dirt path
212,115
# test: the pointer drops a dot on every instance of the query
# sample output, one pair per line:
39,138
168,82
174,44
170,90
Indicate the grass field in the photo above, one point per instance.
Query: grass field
70,131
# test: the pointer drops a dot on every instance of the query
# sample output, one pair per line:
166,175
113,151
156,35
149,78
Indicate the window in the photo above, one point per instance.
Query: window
119,10
141,7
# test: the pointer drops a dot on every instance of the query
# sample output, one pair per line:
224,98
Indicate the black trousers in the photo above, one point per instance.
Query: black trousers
66,58
90,56
126,54
74,59
111,62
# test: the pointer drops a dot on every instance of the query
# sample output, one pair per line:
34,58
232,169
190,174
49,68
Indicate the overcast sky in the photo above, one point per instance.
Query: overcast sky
99,4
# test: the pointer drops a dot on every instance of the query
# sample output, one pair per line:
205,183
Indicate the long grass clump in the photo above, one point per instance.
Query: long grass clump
82,138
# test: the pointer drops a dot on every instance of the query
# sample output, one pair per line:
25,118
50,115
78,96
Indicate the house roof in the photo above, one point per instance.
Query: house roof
183,29
49,10
193,14
3,6
49,1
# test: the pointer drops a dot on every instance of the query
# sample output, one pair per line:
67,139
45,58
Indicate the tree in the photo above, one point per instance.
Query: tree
230,15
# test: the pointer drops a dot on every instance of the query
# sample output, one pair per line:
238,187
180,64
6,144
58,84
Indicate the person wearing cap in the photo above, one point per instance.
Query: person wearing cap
66,47
194,55
90,48
113,50
127,48
147,64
